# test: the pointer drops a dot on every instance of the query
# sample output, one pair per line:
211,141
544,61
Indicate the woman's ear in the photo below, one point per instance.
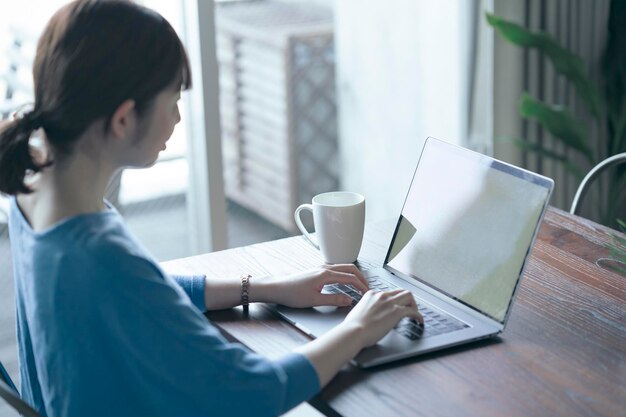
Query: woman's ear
124,120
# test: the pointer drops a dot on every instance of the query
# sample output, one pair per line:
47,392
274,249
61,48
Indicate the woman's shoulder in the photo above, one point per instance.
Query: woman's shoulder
78,228
97,242
106,242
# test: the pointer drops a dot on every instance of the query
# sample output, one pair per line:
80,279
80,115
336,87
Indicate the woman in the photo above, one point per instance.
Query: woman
102,330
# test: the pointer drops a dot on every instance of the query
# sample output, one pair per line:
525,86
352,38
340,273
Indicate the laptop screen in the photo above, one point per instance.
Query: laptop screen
467,225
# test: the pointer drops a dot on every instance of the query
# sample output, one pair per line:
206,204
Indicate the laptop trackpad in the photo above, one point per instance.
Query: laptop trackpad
314,321
330,310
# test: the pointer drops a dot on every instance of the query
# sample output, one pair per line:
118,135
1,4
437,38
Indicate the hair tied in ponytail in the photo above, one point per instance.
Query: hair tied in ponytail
16,159
31,120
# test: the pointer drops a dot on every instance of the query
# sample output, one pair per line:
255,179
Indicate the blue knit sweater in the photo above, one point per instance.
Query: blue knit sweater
103,331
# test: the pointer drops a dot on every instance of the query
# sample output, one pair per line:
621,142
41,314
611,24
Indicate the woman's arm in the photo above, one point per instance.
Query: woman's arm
302,289
185,365
269,385
371,319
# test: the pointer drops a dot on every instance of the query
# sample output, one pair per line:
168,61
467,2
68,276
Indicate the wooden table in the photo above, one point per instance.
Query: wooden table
563,352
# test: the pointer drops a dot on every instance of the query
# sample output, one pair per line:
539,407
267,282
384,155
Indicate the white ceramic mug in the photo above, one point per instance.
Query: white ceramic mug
339,220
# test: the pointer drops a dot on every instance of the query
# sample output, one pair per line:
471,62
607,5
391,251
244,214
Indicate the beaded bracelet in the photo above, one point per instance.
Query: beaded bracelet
245,283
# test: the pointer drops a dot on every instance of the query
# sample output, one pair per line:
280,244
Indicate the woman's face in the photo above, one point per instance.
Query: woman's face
159,126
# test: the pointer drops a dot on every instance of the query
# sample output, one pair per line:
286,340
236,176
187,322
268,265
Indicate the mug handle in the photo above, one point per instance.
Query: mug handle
305,232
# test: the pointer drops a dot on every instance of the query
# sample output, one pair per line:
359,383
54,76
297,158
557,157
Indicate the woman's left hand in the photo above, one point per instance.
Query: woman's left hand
304,289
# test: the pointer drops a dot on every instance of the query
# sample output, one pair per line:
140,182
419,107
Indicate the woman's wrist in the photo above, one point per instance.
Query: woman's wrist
333,350
262,289
355,332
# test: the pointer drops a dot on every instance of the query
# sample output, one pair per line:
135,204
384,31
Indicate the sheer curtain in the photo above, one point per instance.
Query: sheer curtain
401,77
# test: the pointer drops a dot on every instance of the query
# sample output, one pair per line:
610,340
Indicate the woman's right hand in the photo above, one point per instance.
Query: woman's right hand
371,319
378,312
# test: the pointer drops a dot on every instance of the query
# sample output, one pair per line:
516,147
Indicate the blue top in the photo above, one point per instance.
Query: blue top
103,331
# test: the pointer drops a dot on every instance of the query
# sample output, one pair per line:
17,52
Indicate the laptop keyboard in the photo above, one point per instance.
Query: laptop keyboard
436,322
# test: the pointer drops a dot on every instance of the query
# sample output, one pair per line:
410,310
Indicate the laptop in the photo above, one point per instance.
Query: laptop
460,245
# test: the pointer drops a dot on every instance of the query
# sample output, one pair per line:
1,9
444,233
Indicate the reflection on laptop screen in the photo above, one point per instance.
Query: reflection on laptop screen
467,225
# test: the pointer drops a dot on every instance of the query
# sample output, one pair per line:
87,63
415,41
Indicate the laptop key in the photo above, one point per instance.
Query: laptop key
411,335
330,289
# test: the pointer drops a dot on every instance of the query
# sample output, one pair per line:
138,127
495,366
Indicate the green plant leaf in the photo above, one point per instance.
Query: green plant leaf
559,122
565,62
618,254
618,269
546,153
617,249
619,240
619,138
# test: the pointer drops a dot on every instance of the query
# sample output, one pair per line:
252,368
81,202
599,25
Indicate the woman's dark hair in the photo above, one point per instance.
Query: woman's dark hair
92,56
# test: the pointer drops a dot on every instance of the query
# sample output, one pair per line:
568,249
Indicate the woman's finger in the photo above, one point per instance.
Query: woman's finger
338,300
391,293
404,298
350,269
335,277
414,312
409,311
405,305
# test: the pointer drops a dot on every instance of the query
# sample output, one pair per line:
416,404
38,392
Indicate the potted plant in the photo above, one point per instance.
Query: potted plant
606,104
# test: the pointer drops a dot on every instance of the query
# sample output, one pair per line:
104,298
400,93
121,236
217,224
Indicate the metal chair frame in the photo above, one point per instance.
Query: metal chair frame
9,393
617,159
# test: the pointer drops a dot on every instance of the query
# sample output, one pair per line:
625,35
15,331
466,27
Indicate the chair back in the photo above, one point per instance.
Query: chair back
619,158
9,393
4,377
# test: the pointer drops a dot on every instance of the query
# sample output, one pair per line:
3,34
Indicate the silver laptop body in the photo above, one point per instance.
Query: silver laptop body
460,246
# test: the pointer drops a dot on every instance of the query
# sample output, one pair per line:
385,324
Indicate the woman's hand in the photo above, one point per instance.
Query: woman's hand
371,319
304,289
378,312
